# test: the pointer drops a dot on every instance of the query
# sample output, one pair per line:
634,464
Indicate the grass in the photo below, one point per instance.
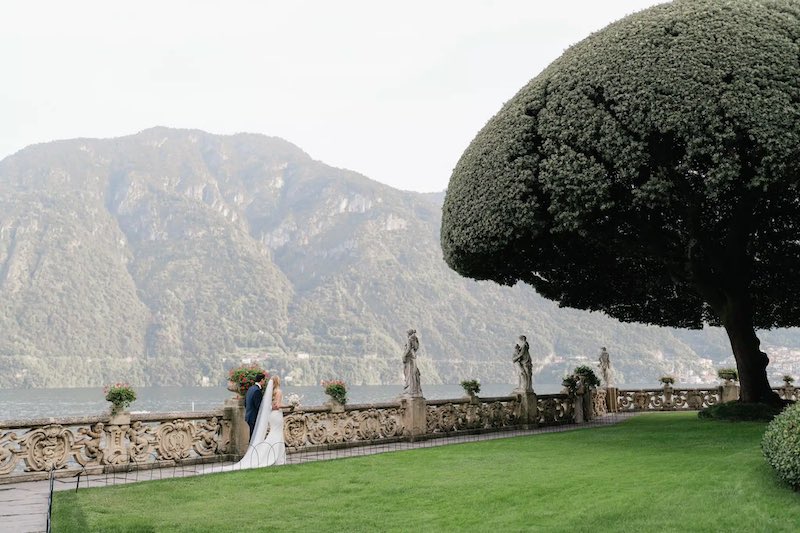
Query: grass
656,472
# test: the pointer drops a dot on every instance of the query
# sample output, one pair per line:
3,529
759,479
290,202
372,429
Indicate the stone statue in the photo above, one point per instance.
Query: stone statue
605,367
578,405
410,370
522,358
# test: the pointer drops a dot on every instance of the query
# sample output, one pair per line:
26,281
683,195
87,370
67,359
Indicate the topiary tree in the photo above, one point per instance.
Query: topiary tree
652,172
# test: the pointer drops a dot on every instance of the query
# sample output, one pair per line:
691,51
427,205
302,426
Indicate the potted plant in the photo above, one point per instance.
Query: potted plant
243,377
121,395
336,389
471,386
570,384
667,380
590,379
728,374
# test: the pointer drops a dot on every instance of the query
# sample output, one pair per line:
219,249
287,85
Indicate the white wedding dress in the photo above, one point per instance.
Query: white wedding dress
265,449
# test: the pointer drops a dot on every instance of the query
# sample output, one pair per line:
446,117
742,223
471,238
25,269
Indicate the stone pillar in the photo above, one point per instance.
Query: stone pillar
233,411
528,408
612,400
414,416
121,418
668,393
335,407
577,406
729,392
116,450
588,404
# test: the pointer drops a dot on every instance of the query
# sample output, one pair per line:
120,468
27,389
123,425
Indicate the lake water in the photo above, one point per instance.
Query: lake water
43,403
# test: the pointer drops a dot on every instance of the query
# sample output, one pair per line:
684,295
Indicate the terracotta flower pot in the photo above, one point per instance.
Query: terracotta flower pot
233,387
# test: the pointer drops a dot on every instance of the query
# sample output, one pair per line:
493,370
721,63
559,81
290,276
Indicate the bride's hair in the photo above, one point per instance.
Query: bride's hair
277,381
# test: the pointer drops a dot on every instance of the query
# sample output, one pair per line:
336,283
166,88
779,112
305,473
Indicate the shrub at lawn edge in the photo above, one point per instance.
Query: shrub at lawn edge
781,445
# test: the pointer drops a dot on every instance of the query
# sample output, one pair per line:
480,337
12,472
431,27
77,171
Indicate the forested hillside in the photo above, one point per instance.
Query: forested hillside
167,256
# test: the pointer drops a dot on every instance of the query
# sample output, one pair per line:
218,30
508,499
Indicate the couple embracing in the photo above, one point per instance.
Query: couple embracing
263,412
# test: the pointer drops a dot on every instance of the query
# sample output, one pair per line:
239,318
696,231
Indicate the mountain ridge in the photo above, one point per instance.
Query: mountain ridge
166,256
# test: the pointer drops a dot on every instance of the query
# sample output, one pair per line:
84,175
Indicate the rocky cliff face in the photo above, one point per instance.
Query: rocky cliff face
163,257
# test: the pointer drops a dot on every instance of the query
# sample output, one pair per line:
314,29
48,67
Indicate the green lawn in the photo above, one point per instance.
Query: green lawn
656,472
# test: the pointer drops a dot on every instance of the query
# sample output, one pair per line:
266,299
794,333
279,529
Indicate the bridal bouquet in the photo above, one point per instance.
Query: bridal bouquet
336,389
293,400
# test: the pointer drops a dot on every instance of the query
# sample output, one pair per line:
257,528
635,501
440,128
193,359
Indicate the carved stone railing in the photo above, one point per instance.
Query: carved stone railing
667,399
326,426
671,399
471,413
555,409
788,392
599,403
30,449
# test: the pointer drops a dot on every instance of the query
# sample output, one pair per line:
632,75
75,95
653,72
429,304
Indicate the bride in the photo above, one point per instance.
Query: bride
266,449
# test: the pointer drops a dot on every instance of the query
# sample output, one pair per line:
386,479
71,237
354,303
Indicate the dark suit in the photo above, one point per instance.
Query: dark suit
252,402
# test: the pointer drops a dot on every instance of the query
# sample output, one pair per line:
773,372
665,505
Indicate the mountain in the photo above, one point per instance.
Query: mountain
168,256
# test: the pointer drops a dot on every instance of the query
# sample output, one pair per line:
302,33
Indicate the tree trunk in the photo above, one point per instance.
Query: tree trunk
751,362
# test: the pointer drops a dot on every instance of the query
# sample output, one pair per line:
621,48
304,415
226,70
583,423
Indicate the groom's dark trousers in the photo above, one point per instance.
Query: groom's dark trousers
252,402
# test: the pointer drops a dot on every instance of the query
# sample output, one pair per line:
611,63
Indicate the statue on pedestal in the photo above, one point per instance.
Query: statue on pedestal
522,358
413,387
580,392
605,367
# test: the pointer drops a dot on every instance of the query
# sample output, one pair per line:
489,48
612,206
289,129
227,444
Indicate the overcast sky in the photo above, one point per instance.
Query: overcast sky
395,91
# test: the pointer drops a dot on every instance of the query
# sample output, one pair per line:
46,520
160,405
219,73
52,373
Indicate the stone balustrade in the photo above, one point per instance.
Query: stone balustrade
472,413
332,425
600,402
667,399
788,392
555,409
30,449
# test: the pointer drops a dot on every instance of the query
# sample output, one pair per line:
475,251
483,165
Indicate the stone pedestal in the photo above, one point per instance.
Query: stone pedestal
115,452
121,418
336,407
729,392
528,408
414,416
577,403
612,400
233,411
588,405
668,393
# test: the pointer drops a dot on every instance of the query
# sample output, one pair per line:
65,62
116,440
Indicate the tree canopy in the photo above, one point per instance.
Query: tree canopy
651,172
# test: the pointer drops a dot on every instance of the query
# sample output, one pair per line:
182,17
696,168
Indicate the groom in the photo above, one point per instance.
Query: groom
252,401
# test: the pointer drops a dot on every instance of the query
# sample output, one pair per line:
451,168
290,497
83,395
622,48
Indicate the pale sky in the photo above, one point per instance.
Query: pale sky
393,90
